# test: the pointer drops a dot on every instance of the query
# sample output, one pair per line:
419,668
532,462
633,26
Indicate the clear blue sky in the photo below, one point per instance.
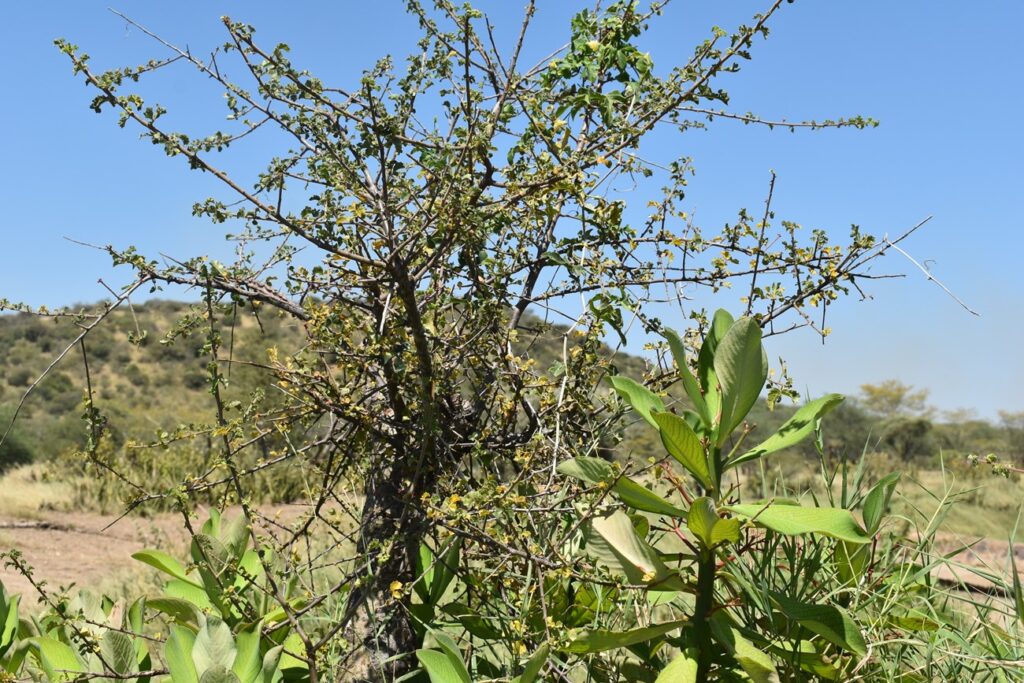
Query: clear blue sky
944,78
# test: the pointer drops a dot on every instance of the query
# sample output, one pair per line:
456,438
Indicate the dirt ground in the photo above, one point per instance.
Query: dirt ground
94,550
82,548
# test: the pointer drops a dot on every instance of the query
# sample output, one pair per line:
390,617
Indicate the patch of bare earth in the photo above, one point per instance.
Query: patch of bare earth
80,548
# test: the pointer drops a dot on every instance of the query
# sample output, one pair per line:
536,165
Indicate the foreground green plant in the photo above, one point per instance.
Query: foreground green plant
764,586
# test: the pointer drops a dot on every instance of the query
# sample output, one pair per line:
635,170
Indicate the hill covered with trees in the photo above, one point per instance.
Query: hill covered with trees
149,377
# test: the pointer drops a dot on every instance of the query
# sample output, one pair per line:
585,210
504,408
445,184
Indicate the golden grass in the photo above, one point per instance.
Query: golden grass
27,491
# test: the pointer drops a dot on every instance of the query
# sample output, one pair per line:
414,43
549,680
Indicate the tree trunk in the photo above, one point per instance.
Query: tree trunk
381,626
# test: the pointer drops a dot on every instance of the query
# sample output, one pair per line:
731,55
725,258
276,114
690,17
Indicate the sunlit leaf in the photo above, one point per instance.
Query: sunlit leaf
794,430
639,397
597,471
795,520
741,366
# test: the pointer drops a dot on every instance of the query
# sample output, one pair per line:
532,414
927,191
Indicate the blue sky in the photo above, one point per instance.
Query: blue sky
944,79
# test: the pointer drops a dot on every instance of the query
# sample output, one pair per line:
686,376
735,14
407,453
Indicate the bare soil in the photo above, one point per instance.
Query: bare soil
81,548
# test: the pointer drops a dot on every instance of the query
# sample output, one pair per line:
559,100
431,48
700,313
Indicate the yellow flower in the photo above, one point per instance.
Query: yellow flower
593,44
396,589
603,160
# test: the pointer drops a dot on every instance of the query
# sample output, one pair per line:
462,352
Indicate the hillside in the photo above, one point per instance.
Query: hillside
155,385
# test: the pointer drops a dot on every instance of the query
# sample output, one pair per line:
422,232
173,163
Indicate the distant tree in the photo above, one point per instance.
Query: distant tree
892,398
14,450
1013,424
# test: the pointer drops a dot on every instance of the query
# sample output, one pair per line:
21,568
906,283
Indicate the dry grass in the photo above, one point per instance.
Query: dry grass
27,491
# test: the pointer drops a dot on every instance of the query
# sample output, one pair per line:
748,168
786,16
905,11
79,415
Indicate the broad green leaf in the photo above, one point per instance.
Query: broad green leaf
795,520
292,652
165,563
446,566
830,622
597,471
533,665
758,665
682,669
268,672
639,397
425,572
683,444
794,430
234,535
59,660
704,522
851,561
441,668
214,646
590,642
720,324
218,674
250,570
278,614
476,625
209,553
613,542
181,611
211,527
701,519
877,501
178,655
741,366
176,588
248,661
118,651
8,618
690,384
450,648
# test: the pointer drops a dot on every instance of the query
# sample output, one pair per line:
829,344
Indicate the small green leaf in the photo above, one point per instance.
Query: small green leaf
682,669
683,444
590,642
441,667
533,665
704,522
639,397
793,431
877,501
795,520
830,622
741,366
597,471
